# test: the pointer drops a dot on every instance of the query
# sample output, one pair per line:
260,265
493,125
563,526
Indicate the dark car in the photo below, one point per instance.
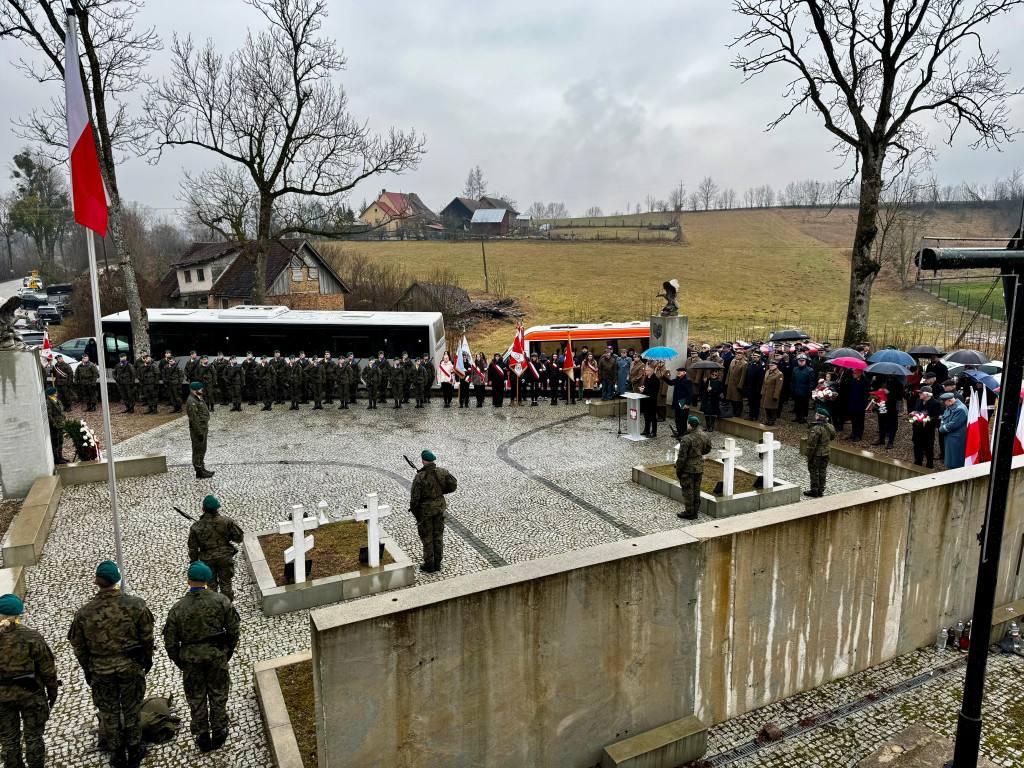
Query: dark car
74,347
33,299
48,314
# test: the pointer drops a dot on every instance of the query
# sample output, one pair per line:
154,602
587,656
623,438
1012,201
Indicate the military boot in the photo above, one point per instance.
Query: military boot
135,755
217,738
203,742
266,407
177,409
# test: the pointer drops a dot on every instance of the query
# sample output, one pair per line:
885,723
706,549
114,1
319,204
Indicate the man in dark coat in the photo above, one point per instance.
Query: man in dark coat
650,387
924,431
854,394
937,367
682,397
753,379
496,378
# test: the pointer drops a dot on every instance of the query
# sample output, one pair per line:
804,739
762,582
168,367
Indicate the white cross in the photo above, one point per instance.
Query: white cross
297,526
767,448
371,514
728,455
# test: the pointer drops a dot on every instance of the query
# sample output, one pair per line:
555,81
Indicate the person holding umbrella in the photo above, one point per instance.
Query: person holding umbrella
651,387
953,430
854,394
710,402
682,395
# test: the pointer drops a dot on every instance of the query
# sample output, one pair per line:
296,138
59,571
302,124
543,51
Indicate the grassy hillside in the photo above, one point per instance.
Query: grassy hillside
742,272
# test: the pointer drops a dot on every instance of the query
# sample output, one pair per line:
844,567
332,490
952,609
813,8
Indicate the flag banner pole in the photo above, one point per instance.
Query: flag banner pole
101,348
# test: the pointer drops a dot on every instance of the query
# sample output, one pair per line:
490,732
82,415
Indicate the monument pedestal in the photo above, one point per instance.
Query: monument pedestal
25,452
671,332
633,415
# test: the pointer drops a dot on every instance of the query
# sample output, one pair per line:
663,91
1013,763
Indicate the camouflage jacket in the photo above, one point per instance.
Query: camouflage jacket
124,374
232,376
369,374
331,370
296,375
210,538
55,414
87,373
693,447
191,368
198,416
208,375
266,375
63,374
173,375
428,490
23,651
202,627
107,626
219,364
819,441
148,375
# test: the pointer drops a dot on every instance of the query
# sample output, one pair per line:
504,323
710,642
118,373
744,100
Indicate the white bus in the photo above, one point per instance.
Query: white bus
263,329
545,339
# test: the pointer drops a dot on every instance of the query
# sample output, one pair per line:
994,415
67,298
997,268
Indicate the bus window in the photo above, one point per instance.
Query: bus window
115,345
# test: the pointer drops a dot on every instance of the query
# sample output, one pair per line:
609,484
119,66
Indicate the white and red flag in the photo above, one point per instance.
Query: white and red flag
972,454
46,352
569,366
517,358
88,193
1018,438
984,438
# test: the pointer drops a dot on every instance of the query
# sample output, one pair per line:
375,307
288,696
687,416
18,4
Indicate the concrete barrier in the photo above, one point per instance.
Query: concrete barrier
12,581
672,744
603,409
748,430
720,506
1003,615
284,748
868,463
80,472
24,540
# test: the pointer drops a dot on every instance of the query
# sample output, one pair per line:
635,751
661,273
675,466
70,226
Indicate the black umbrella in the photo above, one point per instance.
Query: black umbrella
925,351
844,352
967,357
707,365
887,369
790,335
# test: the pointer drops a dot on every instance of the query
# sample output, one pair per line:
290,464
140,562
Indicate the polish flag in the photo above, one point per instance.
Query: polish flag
568,367
46,353
973,451
518,354
1018,438
984,438
88,192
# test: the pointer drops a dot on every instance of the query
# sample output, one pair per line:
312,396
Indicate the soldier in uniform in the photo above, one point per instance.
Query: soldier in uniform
173,378
371,378
55,416
212,539
316,375
410,371
266,376
427,505
428,372
250,387
233,381
28,687
293,373
162,366
331,373
819,449
417,383
64,380
693,447
353,378
87,374
399,379
198,428
192,366
279,364
112,637
200,636
304,363
219,390
341,379
124,377
149,383
385,373
207,375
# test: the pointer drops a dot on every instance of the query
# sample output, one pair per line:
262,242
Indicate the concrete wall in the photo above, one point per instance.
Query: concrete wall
25,451
549,661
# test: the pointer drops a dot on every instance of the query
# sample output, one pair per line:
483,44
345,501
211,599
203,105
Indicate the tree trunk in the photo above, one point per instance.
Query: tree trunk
261,252
864,267
136,312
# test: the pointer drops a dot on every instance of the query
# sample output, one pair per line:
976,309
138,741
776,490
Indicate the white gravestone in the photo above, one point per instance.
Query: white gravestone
728,455
301,544
371,514
767,448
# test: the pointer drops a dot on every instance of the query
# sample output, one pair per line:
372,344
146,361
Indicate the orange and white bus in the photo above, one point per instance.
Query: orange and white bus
546,339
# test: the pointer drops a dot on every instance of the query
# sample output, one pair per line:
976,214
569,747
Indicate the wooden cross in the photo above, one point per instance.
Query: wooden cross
767,448
728,455
371,514
301,544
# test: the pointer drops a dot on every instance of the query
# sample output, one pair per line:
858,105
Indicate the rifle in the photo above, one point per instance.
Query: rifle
409,462
184,514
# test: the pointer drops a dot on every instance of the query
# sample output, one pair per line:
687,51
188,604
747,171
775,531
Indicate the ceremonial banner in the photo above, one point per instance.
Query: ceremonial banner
972,455
87,190
569,365
517,358
984,439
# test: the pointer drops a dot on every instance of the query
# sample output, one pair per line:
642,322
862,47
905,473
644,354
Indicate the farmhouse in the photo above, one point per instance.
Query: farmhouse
393,211
457,214
490,221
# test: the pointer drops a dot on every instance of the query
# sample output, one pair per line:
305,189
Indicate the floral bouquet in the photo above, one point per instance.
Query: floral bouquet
84,440
877,401
918,418
824,394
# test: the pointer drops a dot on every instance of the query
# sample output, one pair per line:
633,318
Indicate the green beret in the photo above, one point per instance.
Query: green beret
11,605
211,502
108,570
195,386
350,354
693,421
168,352
199,571
277,351
123,354
821,411
428,456
193,352
50,391
301,352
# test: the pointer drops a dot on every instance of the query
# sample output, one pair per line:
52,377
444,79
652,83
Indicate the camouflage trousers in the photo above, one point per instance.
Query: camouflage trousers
57,443
65,393
817,467
149,395
235,393
690,484
198,452
431,531
206,690
32,711
127,394
223,573
116,696
174,395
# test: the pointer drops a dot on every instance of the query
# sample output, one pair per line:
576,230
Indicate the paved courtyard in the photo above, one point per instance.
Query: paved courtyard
532,482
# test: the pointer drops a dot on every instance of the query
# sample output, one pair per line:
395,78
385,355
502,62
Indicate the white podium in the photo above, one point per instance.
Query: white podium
633,413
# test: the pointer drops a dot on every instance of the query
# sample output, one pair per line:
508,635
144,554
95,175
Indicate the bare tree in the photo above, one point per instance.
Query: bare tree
900,224
556,211
873,72
677,198
475,187
537,210
114,61
272,112
706,192
8,232
593,211
650,202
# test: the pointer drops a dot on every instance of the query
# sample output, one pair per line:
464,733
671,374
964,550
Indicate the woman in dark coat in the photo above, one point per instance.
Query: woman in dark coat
478,377
496,378
90,350
711,400
651,387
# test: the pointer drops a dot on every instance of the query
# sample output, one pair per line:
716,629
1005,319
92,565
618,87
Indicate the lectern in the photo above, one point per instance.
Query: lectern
633,412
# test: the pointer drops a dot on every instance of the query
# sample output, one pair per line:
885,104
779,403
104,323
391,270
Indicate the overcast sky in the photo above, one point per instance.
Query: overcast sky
588,103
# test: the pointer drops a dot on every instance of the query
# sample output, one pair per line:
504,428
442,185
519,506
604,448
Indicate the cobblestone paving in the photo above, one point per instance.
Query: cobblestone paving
842,744
338,457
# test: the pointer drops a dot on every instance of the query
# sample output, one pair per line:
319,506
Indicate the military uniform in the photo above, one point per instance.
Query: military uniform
428,374
124,377
693,446
28,688
173,378
417,383
198,430
191,367
342,378
316,375
64,381
819,449
87,376
55,417
250,386
212,539
427,505
149,385
266,377
409,369
295,382
233,381
161,368
353,378
372,381
279,364
112,637
331,374
219,390
400,382
200,636
303,363
208,376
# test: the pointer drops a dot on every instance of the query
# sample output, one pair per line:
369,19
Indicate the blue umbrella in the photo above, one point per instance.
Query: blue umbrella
887,369
984,378
660,353
892,356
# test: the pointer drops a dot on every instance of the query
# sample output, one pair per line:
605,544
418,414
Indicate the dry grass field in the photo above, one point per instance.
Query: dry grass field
741,271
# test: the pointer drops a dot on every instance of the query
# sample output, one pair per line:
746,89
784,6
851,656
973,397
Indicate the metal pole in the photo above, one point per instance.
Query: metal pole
968,732
101,349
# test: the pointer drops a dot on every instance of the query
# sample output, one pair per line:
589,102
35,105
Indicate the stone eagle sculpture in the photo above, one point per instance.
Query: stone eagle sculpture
671,308
9,338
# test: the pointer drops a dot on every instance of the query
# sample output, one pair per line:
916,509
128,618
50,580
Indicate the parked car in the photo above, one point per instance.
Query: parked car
32,338
48,314
33,299
74,348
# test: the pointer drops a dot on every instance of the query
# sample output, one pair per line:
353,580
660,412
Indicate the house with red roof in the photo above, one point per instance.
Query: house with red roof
399,212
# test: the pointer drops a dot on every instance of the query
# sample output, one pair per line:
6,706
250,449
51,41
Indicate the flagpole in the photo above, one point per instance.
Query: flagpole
101,348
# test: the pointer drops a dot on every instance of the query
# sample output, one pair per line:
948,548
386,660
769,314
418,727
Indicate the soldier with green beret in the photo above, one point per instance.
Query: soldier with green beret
207,375
331,372
819,450
124,377
233,381
200,636
55,417
250,378
174,376
428,372
198,428
266,378
193,365
28,687
427,505
219,390
87,376
343,380
353,377
693,447
296,378
112,637
212,539
372,376
280,366
316,380
409,367
149,383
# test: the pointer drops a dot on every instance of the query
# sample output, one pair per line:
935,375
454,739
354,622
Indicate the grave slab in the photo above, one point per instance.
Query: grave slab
78,472
719,506
284,748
